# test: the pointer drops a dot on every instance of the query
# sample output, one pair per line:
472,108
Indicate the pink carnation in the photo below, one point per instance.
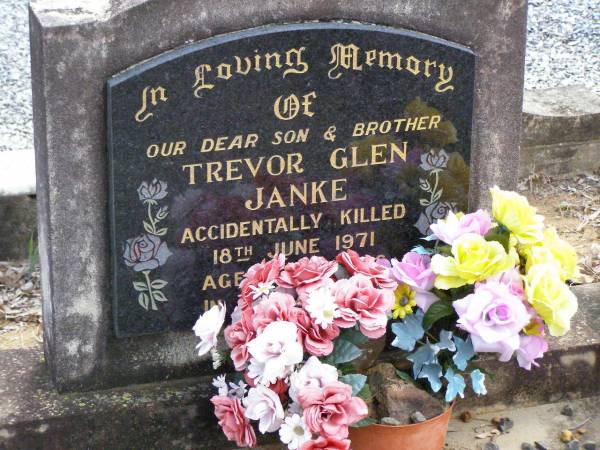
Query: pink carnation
494,317
278,306
530,349
453,227
237,336
316,340
415,271
331,409
326,443
358,300
263,272
367,266
307,274
233,421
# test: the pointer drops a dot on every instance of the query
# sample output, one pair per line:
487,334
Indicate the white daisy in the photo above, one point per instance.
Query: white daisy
263,289
322,307
294,432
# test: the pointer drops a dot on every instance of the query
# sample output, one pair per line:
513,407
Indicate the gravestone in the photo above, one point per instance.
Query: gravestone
178,144
296,139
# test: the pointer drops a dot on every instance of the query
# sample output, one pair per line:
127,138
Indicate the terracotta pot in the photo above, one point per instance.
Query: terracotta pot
428,435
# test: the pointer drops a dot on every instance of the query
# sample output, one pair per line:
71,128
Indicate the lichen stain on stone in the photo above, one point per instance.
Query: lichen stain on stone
6,434
588,357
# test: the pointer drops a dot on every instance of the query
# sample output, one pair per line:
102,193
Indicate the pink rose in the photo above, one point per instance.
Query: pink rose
278,306
307,274
237,337
331,409
280,387
494,317
326,443
415,271
513,279
367,266
454,226
263,272
356,297
316,340
233,421
530,349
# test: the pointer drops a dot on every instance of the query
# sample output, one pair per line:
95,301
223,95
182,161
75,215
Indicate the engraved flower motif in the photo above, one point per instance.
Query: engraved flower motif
437,210
150,192
145,252
433,160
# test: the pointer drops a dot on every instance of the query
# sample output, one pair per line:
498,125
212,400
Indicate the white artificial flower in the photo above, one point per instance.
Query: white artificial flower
236,315
221,385
263,289
294,432
274,352
217,359
313,373
263,404
322,307
207,328
237,390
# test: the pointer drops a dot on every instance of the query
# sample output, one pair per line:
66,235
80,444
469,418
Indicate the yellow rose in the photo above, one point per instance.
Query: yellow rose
553,250
473,259
517,215
550,297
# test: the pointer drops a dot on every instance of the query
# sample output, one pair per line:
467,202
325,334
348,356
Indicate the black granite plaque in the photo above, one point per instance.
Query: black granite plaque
303,139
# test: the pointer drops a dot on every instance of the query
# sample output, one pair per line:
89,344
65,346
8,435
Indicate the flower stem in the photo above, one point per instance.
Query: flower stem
150,218
149,284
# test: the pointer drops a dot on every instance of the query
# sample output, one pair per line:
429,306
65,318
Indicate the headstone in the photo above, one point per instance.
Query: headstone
298,139
151,188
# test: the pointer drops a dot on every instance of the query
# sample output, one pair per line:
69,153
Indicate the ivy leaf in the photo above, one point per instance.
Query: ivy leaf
343,352
445,342
464,352
424,355
140,286
456,385
433,374
357,381
477,382
437,311
364,422
408,331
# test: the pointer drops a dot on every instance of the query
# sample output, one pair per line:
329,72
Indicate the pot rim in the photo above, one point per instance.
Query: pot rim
410,425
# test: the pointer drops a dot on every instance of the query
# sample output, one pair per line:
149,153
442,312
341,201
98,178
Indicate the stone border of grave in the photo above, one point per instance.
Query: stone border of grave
177,413
74,50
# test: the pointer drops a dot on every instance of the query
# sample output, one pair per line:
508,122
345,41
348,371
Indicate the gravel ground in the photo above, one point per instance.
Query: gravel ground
563,48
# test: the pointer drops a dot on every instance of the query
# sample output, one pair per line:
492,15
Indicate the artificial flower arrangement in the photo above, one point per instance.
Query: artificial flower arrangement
487,284
295,332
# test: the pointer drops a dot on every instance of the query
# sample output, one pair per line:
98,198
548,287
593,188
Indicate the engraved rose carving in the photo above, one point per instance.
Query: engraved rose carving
433,160
153,191
432,213
145,252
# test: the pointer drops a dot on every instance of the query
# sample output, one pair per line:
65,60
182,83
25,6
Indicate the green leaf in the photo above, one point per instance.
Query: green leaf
346,368
405,377
437,311
357,381
140,286
143,300
354,335
364,423
499,234
159,284
343,352
365,393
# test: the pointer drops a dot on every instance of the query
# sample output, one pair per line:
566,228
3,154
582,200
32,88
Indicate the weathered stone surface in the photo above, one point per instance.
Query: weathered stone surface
398,399
76,46
18,225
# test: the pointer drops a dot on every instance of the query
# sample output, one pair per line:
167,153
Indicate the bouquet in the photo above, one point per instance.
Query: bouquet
486,284
295,332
